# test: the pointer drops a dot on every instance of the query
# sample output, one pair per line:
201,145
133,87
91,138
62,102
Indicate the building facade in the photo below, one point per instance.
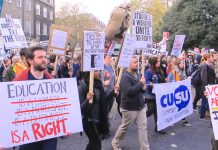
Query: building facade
36,17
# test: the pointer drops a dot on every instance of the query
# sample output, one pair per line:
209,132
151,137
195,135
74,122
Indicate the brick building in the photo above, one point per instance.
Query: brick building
36,17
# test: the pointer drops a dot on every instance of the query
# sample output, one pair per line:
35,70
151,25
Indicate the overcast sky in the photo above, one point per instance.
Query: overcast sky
99,8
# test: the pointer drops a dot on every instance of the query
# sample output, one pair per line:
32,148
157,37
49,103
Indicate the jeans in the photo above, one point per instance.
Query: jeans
204,106
50,144
197,96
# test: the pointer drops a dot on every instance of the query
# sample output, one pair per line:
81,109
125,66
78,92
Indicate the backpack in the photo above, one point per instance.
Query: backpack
196,78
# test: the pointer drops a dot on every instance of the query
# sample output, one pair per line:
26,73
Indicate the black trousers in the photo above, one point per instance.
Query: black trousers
152,109
91,130
50,144
197,96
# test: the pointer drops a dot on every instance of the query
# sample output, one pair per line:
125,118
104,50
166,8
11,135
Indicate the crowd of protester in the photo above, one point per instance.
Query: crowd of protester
132,95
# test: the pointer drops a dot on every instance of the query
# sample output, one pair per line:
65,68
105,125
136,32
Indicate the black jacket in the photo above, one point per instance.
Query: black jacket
208,76
97,111
131,92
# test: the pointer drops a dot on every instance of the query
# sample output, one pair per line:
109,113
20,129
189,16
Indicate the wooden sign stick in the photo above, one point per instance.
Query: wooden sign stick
119,77
143,65
55,65
91,84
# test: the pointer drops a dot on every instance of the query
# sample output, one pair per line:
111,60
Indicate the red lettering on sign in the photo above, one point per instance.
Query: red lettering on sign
214,101
213,89
50,128
16,138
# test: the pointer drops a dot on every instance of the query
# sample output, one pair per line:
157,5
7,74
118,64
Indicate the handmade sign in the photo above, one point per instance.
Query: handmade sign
58,41
126,51
178,44
110,47
142,30
12,33
93,51
174,102
213,105
38,110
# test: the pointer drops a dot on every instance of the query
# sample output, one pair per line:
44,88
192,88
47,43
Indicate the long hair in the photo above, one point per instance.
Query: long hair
153,61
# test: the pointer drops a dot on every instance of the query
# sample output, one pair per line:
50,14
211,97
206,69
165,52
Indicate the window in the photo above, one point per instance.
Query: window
45,29
9,1
28,4
28,27
52,2
45,12
37,28
51,15
37,9
19,3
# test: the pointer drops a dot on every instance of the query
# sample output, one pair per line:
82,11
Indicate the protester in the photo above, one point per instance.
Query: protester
108,78
197,61
22,64
181,72
207,75
153,75
36,59
132,88
9,74
94,115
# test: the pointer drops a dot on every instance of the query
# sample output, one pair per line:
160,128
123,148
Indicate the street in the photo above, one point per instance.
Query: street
178,137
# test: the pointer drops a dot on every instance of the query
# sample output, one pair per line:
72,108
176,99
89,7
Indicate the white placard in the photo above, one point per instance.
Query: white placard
59,39
213,105
93,50
126,51
12,33
153,52
142,30
2,49
109,47
174,102
178,44
37,110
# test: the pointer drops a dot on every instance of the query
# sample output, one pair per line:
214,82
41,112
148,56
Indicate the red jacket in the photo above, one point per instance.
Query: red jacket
24,75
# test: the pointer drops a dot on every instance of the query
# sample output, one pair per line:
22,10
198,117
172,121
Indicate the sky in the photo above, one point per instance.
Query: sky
99,8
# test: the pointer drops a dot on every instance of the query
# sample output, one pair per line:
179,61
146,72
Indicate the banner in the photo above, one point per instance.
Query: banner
38,110
58,41
174,102
12,33
213,105
142,30
154,52
178,44
126,51
93,51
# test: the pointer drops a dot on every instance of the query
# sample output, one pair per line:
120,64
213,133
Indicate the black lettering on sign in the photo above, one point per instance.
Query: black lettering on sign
216,115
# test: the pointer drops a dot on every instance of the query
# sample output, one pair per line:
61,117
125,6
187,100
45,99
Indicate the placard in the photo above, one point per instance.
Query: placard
38,110
178,44
142,30
213,105
126,51
12,33
93,51
110,47
174,102
58,41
